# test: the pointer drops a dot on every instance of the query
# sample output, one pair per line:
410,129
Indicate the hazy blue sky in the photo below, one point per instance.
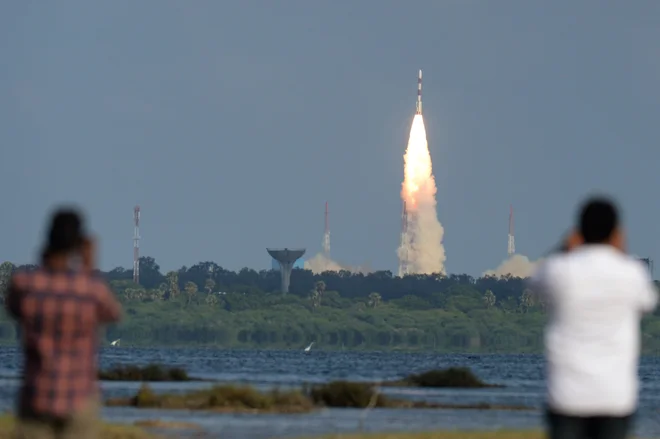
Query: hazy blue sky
232,122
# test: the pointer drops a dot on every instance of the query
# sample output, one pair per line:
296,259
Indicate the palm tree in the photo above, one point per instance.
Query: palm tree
156,294
172,284
211,300
319,287
374,300
191,291
315,298
209,285
526,300
128,294
489,299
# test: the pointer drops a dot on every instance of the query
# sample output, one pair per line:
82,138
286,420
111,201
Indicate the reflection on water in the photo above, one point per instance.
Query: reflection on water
522,376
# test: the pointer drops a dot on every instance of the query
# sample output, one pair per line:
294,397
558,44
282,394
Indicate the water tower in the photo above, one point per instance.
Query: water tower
286,257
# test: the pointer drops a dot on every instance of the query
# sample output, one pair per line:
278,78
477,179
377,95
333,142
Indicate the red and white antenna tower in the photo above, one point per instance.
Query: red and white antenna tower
326,233
136,245
512,242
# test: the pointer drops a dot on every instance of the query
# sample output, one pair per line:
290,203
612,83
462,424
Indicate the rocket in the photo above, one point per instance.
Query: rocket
419,93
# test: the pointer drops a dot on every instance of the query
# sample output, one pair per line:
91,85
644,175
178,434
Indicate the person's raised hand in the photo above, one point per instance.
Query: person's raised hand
573,240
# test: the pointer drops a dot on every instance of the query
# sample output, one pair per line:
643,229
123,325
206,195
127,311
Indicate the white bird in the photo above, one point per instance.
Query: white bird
309,348
115,343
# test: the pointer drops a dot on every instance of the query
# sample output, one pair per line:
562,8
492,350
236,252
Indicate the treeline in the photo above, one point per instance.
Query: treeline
208,305
210,276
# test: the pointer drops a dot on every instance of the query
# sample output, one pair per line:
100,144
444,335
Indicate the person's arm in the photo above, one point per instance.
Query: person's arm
648,293
107,307
538,282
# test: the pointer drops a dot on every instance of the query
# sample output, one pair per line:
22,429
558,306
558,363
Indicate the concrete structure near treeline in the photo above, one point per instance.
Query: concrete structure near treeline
300,263
286,257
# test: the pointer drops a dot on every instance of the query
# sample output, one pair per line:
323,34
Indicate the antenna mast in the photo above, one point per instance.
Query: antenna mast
512,241
136,245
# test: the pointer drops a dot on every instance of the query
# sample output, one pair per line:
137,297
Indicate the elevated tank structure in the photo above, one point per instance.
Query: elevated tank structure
286,258
300,263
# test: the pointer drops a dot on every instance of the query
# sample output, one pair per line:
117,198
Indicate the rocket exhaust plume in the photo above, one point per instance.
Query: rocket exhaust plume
322,262
421,250
515,265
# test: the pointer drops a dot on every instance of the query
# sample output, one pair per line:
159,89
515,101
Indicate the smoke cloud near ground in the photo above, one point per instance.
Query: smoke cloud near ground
320,263
421,250
516,266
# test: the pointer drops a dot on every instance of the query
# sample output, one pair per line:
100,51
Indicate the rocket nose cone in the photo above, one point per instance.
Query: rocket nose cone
420,74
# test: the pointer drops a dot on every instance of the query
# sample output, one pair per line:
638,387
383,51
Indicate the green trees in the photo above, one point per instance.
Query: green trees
374,300
316,295
489,299
172,278
191,291
336,309
526,300
6,269
211,300
209,285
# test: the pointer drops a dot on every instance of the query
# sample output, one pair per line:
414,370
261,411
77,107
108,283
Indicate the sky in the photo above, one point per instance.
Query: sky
231,123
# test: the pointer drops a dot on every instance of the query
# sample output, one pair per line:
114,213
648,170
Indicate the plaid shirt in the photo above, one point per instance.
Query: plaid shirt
59,313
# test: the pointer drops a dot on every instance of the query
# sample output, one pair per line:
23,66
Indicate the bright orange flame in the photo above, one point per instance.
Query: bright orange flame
418,169
421,249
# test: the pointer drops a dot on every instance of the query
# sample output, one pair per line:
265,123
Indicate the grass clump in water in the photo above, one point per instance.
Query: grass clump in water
347,394
229,398
151,372
221,398
457,377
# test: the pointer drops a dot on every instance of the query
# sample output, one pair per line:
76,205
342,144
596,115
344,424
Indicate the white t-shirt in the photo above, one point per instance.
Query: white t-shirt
596,297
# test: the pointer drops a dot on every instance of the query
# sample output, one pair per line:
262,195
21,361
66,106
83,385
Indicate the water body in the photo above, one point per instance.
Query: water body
521,374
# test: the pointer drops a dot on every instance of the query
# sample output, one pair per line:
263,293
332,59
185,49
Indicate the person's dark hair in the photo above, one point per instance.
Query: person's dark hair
599,218
66,233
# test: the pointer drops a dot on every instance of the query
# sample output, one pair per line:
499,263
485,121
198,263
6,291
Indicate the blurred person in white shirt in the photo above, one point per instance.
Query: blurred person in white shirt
596,296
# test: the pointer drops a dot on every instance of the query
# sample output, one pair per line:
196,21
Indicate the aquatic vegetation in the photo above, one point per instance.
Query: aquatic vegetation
220,398
347,394
456,377
364,395
230,398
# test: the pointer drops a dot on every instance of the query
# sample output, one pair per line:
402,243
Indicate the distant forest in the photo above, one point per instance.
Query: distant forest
207,305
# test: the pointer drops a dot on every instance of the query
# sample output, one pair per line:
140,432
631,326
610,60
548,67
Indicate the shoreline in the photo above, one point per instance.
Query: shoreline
472,434
108,430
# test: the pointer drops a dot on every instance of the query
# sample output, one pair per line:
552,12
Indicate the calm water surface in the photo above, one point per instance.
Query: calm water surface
521,374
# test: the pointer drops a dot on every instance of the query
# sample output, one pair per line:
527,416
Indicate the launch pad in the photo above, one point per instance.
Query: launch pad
286,258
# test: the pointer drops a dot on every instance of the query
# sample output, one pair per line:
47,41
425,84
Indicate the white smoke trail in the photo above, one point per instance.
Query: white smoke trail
421,249
516,266
320,263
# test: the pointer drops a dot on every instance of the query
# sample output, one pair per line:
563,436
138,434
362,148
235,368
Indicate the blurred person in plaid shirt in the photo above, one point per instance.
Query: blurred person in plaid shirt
60,308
